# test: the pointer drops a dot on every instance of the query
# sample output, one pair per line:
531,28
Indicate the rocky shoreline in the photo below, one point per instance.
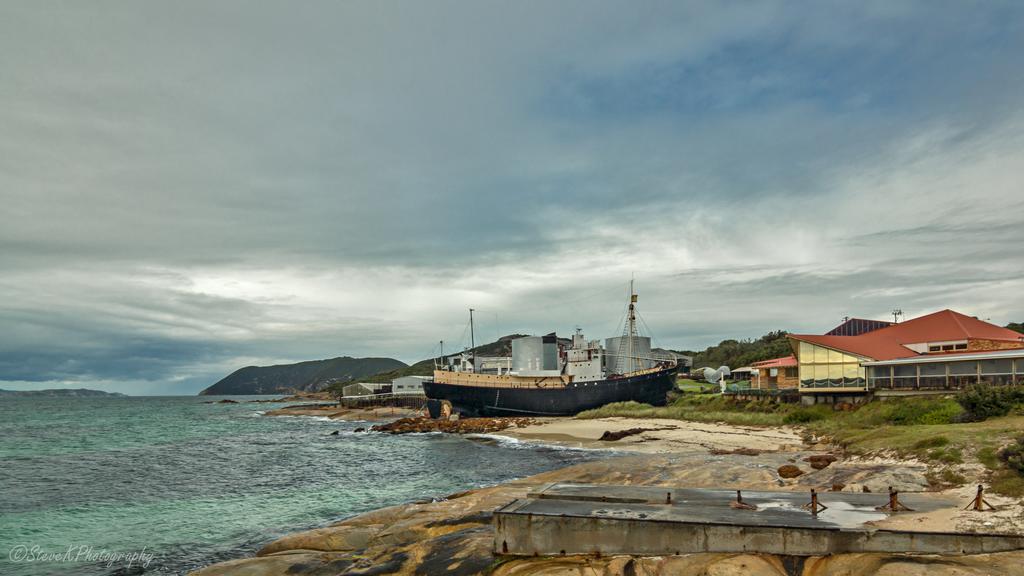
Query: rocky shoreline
421,424
454,536
335,412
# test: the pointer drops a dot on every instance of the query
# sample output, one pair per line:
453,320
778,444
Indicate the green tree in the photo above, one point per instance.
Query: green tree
736,353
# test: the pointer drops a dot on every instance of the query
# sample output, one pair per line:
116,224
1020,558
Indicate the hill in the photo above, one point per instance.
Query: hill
500,347
310,376
63,392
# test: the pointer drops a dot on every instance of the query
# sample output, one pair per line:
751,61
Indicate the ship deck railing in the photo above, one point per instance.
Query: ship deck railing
503,380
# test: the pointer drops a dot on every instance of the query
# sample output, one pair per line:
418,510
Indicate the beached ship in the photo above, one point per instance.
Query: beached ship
546,377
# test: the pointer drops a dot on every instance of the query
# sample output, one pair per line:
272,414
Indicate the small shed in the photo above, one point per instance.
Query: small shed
365,388
777,373
408,385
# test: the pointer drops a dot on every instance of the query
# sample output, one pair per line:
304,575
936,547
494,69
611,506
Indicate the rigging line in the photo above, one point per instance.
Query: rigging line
462,339
646,327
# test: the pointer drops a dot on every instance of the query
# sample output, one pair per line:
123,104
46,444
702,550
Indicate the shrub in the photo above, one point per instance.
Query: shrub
983,401
804,415
1013,455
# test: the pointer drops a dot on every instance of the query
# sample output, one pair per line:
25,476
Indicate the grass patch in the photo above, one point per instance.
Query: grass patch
930,429
1008,483
694,386
988,457
946,455
933,442
698,408
820,419
806,415
945,478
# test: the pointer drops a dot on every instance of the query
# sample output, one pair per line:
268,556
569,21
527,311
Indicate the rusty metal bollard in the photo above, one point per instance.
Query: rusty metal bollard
894,504
979,503
814,506
739,504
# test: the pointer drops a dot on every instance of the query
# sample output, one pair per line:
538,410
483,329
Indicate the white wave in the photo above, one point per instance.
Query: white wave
520,444
305,417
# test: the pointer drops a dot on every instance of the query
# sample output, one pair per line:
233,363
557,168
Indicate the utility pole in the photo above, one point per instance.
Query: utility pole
896,315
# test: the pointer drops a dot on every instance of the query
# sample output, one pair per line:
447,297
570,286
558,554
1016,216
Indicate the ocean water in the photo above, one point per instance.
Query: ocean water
85,482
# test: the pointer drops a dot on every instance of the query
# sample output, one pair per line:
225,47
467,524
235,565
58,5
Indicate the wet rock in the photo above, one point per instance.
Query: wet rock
687,565
789,471
610,436
740,451
360,429
227,401
335,433
299,563
331,539
872,477
820,461
999,564
461,426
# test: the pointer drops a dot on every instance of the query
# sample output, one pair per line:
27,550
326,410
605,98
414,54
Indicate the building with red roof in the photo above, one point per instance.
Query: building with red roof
777,373
940,351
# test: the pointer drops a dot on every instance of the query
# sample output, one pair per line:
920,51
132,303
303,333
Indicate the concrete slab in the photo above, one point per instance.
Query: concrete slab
640,520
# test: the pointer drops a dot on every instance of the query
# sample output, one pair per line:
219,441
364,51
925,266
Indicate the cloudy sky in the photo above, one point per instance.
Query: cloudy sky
191,187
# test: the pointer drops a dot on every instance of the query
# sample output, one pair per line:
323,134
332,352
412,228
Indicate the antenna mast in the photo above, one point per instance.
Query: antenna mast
896,314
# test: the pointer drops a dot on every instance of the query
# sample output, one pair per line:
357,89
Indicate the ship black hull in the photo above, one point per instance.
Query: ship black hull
487,401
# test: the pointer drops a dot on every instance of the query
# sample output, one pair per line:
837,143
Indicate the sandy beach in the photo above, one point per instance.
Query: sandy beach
659,436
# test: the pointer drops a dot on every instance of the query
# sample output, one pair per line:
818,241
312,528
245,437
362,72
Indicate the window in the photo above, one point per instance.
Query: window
963,374
904,376
947,347
998,372
822,367
878,377
933,376
961,346
934,348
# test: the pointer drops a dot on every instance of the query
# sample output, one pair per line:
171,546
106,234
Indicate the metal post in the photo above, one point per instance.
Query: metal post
739,504
814,506
894,504
979,503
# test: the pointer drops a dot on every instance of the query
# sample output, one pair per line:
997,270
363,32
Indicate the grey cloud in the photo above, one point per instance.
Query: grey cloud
355,174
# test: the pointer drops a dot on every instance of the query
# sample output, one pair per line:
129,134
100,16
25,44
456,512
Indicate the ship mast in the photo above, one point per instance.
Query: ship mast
630,332
472,340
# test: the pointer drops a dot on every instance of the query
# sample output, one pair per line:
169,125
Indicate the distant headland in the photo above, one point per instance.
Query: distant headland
60,392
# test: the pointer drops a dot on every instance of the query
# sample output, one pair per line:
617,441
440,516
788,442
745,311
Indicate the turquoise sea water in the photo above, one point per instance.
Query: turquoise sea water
193,483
